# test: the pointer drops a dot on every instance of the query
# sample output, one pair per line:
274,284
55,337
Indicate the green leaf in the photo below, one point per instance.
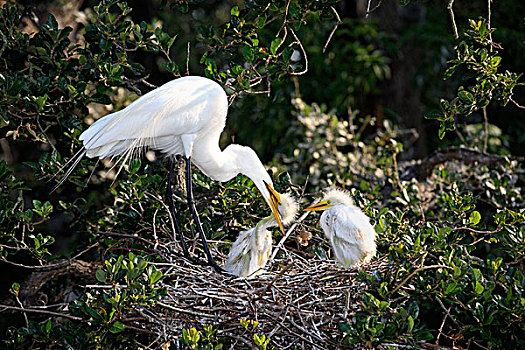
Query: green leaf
479,288
47,326
15,287
466,96
247,53
38,205
155,277
235,11
451,288
475,217
134,166
116,327
495,61
275,45
434,114
410,324
101,276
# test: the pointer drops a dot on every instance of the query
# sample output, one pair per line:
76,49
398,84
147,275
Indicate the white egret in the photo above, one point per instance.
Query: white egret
347,228
185,116
250,252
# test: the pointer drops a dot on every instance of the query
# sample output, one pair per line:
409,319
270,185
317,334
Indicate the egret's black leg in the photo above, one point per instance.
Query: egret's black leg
176,223
193,210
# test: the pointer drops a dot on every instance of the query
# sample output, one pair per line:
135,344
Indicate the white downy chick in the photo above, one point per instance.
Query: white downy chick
347,228
250,252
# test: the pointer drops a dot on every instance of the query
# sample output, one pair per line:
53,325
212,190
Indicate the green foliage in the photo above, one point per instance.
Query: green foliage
16,221
454,242
478,64
255,46
201,340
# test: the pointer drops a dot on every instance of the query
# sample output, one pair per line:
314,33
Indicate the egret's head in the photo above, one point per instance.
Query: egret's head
331,197
288,208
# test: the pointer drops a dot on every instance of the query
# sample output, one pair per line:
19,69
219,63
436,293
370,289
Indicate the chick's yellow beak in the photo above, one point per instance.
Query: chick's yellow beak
319,206
275,201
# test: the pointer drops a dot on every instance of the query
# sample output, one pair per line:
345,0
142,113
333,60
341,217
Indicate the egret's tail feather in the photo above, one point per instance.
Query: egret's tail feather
73,158
92,172
79,155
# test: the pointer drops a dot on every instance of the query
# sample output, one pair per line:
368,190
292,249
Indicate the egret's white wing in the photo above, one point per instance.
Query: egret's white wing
158,119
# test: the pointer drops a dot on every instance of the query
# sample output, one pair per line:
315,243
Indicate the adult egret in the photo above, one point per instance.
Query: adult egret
185,116
347,228
250,252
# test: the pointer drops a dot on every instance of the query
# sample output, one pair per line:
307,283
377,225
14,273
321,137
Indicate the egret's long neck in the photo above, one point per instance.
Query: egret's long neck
235,159
217,164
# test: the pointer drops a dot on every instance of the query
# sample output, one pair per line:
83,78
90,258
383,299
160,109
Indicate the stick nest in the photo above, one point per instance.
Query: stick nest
298,302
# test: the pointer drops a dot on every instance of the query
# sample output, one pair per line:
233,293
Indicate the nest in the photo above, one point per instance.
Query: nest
298,303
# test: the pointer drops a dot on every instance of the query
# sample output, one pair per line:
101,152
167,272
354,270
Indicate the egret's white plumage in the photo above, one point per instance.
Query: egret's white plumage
347,228
185,116
250,252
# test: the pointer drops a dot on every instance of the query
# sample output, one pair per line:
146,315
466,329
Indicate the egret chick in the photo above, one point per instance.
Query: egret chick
250,252
347,228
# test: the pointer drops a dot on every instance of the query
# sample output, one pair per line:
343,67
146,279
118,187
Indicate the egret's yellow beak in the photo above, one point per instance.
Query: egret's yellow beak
319,206
275,201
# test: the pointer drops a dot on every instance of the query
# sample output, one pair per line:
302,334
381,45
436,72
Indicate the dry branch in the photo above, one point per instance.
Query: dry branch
424,167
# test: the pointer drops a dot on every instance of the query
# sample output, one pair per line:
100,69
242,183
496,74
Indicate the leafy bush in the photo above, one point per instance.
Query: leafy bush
450,226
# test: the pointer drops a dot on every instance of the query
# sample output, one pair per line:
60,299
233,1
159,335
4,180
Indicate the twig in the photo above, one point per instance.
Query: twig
424,168
368,11
477,231
304,54
51,266
440,330
447,312
40,311
290,230
45,135
490,34
516,104
451,12
285,21
339,22
485,125
19,302
419,270
188,60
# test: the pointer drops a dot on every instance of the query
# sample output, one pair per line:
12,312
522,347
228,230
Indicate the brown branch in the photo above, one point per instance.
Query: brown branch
451,13
424,168
298,42
40,311
339,22
188,60
517,104
485,126
51,266
477,231
419,270
368,11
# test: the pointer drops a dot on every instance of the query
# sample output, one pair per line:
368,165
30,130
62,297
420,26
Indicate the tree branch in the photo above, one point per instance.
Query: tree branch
424,168
451,12
333,30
